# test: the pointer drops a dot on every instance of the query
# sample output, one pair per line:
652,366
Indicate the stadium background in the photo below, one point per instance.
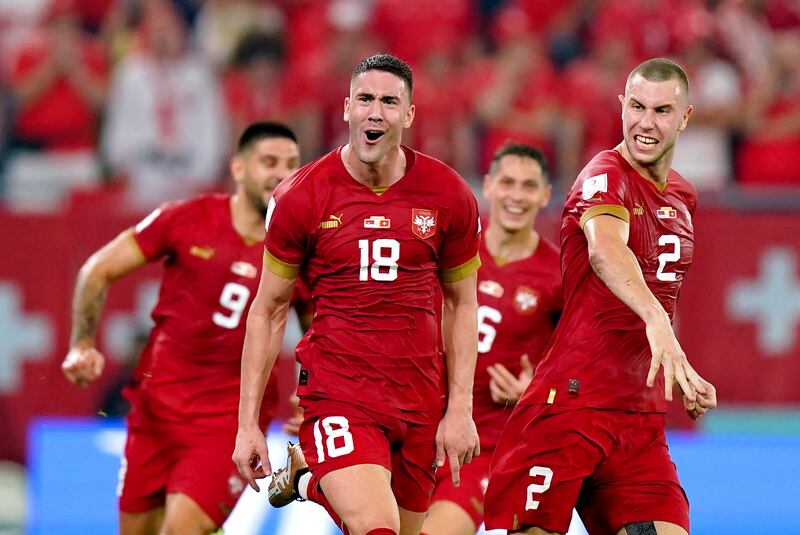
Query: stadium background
108,107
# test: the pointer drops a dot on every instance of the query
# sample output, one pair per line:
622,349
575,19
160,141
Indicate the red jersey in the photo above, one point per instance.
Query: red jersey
373,263
599,355
191,365
518,306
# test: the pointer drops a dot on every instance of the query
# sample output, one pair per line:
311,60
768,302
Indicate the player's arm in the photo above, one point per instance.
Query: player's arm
117,258
616,265
266,323
457,437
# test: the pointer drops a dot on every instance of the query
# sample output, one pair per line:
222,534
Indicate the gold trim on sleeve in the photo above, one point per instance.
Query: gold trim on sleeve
136,245
551,397
605,209
463,271
279,267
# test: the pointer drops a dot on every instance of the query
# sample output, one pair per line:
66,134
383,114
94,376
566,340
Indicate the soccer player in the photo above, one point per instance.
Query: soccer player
519,301
376,229
589,430
176,476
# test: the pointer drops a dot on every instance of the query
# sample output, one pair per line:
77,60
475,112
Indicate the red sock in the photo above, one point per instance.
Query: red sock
382,531
316,495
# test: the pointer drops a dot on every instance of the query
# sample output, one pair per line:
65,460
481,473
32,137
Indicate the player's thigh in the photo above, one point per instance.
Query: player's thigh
204,484
144,472
410,521
652,528
413,465
362,497
184,517
448,518
457,510
539,466
144,523
637,482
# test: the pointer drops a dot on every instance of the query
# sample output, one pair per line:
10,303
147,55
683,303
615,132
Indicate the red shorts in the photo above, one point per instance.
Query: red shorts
613,466
469,494
162,459
335,435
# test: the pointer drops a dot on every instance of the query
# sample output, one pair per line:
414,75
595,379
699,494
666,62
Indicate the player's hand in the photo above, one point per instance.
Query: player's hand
250,456
82,365
292,425
456,441
504,386
703,403
667,353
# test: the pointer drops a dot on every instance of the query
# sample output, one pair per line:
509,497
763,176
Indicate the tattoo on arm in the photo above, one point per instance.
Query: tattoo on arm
641,528
87,306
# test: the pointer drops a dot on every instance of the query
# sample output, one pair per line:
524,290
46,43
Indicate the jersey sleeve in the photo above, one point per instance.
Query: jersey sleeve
459,257
154,234
287,238
602,192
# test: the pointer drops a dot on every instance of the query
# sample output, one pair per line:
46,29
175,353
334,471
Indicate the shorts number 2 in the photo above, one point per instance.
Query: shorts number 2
538,488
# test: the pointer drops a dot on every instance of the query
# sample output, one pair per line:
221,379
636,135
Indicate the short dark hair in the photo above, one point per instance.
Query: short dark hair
386,63
661,70
524,151
263,130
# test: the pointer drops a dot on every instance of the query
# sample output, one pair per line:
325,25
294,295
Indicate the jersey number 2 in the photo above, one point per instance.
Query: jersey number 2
670,256
234,298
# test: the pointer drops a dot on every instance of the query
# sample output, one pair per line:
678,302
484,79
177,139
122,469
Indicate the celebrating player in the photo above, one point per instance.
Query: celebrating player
176,476
589,431
376,229
519,301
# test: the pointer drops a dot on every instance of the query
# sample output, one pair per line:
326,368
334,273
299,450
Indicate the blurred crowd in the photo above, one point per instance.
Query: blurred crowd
146,97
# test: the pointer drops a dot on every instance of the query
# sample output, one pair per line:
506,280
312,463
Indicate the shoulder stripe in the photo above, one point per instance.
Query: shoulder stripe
463,271
135,242
605,209
279,267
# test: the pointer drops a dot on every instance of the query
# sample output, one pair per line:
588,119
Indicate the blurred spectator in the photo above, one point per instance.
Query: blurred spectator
442,124
744,35
406,27
517,94
165,126
259,87
705,157
590,88
768,154
223,24
59,83
649,24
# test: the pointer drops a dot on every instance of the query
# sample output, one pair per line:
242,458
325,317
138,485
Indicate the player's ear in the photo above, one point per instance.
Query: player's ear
548,192
346,114
409,118
236,166
685,118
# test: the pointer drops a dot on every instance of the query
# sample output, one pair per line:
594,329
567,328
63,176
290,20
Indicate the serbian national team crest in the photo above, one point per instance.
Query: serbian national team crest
423,223
525,300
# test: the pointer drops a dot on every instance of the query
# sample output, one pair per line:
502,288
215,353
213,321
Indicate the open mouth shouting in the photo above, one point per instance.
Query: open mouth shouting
373,136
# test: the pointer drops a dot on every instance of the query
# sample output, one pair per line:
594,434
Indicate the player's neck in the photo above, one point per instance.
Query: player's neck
384,172
511,246
657,173
247,221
